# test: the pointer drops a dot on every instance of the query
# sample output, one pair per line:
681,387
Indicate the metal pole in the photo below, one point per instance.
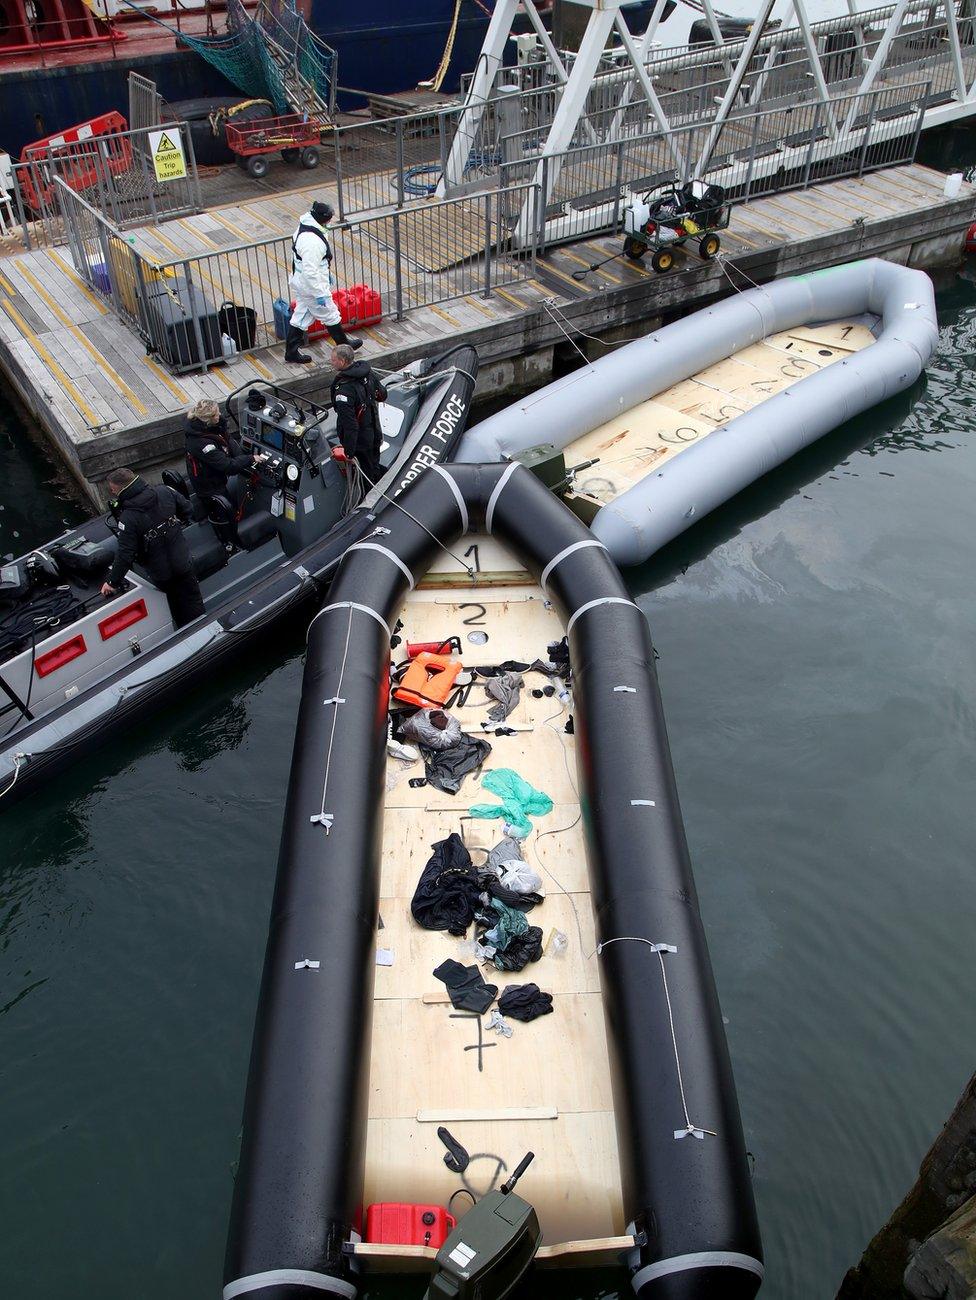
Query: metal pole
814,136
868,127
922,100
487,289
398,265
399,161
188,152
752,155
618,186
338,172
197,332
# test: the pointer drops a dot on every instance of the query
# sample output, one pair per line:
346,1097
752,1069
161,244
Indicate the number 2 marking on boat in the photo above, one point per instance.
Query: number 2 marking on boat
474,619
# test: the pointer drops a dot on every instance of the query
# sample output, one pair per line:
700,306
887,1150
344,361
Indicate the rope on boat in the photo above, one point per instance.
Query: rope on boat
322,818
19,761
690,1129
469,570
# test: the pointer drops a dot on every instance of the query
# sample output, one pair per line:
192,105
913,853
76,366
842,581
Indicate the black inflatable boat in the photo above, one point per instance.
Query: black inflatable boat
74,666
391,1102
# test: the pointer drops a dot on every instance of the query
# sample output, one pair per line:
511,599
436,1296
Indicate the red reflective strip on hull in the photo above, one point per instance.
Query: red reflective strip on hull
52,660
122,618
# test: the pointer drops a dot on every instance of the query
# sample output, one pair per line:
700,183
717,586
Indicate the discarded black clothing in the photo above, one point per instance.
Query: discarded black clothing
467,987
448,893
510,897
498,670
506,689
524,1002
447,768
522,949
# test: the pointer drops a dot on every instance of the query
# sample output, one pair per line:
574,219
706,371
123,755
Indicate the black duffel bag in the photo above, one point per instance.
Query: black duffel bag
241,323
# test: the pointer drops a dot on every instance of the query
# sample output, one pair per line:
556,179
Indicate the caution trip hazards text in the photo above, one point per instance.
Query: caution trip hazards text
169,162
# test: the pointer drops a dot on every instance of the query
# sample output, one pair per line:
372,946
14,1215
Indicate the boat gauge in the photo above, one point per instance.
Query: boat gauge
292,472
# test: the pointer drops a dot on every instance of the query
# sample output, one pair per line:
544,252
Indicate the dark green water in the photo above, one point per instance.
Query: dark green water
817,663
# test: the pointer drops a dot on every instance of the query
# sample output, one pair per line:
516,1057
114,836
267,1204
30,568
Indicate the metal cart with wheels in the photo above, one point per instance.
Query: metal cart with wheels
297,138
669,218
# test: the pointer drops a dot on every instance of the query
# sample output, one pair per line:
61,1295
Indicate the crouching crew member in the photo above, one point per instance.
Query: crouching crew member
151,533
312,283
356,393
214,456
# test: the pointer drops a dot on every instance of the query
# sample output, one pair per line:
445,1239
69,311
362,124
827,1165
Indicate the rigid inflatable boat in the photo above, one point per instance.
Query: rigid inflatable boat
74,666
679,421
386,1120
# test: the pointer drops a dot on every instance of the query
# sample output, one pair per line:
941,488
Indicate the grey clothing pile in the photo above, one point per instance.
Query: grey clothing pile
506,689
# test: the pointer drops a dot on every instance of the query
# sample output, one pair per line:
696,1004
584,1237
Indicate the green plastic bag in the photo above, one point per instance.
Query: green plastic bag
518,798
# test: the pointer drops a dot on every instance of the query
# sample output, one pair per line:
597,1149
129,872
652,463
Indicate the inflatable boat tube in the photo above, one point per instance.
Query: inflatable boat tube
685,1180
708,473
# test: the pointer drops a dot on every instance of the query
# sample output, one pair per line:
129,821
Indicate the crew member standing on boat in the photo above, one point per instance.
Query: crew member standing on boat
312,283
356,394
150,532
214,456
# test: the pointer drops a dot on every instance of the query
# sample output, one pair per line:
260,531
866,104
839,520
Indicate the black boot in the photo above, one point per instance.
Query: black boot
339,335
293,341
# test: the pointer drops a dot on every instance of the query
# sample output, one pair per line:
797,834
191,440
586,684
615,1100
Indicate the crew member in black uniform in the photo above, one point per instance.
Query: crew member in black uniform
356,393
151,533
214,457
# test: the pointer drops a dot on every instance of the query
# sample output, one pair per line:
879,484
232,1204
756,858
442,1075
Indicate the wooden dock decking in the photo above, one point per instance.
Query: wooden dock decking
87,379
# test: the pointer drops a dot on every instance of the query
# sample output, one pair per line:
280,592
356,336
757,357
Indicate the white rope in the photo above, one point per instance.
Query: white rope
469,570
324,818
19,761
691,1129
552,305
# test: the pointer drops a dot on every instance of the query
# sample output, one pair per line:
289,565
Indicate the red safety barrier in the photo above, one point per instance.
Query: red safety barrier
81,160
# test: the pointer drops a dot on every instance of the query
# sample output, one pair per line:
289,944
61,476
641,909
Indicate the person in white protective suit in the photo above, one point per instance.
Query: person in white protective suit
311,284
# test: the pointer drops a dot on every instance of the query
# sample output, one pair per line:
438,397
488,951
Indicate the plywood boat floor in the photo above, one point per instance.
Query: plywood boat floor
418,1058
649,434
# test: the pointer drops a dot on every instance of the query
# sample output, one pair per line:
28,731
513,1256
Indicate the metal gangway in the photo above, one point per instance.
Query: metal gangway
618,87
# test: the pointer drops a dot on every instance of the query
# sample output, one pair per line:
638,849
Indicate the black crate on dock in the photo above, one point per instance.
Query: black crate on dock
171,307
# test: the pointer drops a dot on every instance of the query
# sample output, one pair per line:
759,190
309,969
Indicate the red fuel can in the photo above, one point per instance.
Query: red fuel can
359,305
395,1223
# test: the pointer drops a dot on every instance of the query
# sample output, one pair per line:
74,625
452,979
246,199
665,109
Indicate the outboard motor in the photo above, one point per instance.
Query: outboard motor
491,1249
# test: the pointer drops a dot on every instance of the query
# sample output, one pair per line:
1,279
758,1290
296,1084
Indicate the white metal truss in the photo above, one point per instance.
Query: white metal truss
842,63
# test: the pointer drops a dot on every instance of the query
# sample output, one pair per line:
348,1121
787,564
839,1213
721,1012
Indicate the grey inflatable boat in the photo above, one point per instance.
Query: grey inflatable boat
674,424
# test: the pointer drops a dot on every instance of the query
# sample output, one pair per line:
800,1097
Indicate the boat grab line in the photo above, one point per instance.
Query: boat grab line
385,550
496,493
592,604
363,609
439,469
557,559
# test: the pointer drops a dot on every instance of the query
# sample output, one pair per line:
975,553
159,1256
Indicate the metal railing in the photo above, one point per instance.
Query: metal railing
763,152
413,258
117,175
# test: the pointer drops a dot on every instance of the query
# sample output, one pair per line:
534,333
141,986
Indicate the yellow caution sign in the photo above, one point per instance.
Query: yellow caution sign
169,161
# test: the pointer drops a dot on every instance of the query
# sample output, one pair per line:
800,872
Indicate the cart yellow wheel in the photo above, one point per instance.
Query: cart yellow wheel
708,247
662,261
634,248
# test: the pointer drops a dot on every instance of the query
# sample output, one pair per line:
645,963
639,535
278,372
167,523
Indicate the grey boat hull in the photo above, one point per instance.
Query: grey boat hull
708,473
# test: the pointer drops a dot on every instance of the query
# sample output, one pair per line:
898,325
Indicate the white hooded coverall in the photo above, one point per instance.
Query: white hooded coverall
312,276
